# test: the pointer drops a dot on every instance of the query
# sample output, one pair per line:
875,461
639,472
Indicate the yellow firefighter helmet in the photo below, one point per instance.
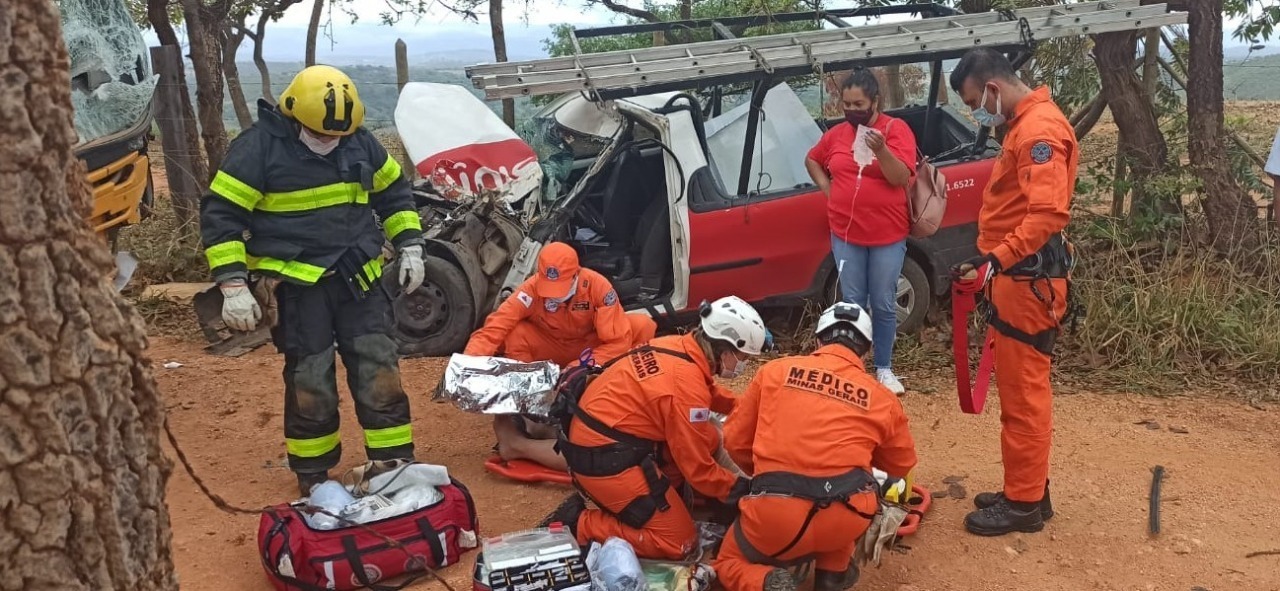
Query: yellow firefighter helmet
324,100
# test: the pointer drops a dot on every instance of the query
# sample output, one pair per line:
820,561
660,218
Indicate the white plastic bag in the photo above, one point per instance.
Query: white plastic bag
614,567
332,497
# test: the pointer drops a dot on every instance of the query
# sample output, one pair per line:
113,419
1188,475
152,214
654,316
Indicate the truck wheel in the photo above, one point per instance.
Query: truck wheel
914,297
435,320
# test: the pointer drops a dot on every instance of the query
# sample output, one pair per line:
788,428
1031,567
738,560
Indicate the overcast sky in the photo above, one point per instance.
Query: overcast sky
439,33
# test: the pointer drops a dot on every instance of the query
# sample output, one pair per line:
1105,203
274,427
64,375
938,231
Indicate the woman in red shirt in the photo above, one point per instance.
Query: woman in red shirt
867,209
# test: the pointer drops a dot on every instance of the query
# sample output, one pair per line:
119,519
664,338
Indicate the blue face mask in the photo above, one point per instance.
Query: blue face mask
986,118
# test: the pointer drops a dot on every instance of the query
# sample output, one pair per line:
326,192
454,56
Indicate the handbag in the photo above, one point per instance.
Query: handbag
926,197
296,556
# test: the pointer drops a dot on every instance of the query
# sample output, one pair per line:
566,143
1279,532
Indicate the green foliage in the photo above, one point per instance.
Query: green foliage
1259,18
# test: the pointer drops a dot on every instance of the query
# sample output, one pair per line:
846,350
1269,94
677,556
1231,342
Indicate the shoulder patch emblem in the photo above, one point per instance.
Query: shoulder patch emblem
1041,152
524,298
699,415
611,298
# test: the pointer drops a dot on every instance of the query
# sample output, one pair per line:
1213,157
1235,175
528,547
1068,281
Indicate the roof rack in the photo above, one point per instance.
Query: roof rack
948,35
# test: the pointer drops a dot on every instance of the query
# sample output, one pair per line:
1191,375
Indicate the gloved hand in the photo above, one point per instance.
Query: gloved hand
239,310
412,271
975,264
880,534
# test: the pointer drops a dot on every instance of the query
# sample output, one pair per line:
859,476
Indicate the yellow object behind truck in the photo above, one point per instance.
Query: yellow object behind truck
119,174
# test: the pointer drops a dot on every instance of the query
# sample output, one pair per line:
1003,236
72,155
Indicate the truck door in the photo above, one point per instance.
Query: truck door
772,239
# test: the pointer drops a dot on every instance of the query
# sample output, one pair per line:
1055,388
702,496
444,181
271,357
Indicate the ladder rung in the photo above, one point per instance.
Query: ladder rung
711,47
833,52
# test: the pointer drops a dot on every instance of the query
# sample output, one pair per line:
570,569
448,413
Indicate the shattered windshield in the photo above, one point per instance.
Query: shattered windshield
111,79
568,129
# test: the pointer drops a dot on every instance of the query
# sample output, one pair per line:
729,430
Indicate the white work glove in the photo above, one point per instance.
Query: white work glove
881,533
411,269
239,310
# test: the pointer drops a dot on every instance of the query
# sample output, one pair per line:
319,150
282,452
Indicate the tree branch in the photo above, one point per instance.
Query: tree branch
632,12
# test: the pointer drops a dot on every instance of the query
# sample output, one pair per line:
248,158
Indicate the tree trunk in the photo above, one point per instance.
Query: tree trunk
1231,212
1141,145
1088,116
82,473
230,46
158,16
500,55
204,27
313,31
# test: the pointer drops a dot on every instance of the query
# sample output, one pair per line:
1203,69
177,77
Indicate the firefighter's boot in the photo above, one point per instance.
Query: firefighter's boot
987,499
779,580
825,580
1004,517
308,481
567,514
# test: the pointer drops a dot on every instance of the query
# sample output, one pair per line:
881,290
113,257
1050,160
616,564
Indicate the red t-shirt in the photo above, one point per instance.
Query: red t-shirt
881,207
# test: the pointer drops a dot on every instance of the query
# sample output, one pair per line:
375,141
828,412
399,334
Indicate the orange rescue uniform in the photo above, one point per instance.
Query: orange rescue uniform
1027,201
666,399
818,416
529,328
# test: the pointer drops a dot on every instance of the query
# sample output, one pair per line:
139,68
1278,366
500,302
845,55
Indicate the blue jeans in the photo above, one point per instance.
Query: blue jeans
869,278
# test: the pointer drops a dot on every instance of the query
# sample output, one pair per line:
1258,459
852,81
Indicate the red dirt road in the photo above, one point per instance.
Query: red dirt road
1221,493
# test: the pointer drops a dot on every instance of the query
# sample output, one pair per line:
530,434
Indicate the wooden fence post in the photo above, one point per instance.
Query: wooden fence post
184,187
402,78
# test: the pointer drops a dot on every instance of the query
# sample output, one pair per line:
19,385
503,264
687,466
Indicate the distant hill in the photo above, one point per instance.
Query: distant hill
377,85
1255,79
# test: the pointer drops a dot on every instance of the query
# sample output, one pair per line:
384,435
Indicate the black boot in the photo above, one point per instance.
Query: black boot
779,580
308,480
1005,517
987,499
825,580
567,513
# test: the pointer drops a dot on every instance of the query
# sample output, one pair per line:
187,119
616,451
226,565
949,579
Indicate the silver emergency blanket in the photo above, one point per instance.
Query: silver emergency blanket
496,385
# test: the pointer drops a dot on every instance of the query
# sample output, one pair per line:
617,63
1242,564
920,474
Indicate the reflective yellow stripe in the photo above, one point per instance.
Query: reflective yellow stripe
227,253
405,220
373,269
235,190
312,448
389,437
389,173
364,285
292,269
314,198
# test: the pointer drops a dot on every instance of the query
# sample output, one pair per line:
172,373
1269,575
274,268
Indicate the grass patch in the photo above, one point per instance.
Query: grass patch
1167,315
168,318
166,251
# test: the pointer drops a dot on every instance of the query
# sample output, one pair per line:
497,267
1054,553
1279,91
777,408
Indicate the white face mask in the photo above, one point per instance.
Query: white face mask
320,144
738,367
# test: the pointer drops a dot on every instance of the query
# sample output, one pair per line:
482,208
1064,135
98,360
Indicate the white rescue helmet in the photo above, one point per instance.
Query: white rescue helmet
845,315
734,321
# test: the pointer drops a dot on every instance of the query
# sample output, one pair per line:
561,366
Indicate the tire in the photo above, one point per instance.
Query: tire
914,297
436,319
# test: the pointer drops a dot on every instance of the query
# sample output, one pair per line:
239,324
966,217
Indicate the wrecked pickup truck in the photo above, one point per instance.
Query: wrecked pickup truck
678,172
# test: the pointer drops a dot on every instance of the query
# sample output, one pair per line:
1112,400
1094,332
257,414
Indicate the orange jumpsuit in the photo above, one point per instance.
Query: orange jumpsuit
818,415
661,398
1027,201
528,328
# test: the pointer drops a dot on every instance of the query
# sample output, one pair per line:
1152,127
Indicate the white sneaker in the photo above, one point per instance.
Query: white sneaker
890,381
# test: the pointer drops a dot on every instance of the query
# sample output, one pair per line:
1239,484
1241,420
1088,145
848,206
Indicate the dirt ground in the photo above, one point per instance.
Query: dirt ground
1221,500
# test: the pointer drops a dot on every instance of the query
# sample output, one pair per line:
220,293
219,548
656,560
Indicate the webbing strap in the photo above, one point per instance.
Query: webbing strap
972,394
